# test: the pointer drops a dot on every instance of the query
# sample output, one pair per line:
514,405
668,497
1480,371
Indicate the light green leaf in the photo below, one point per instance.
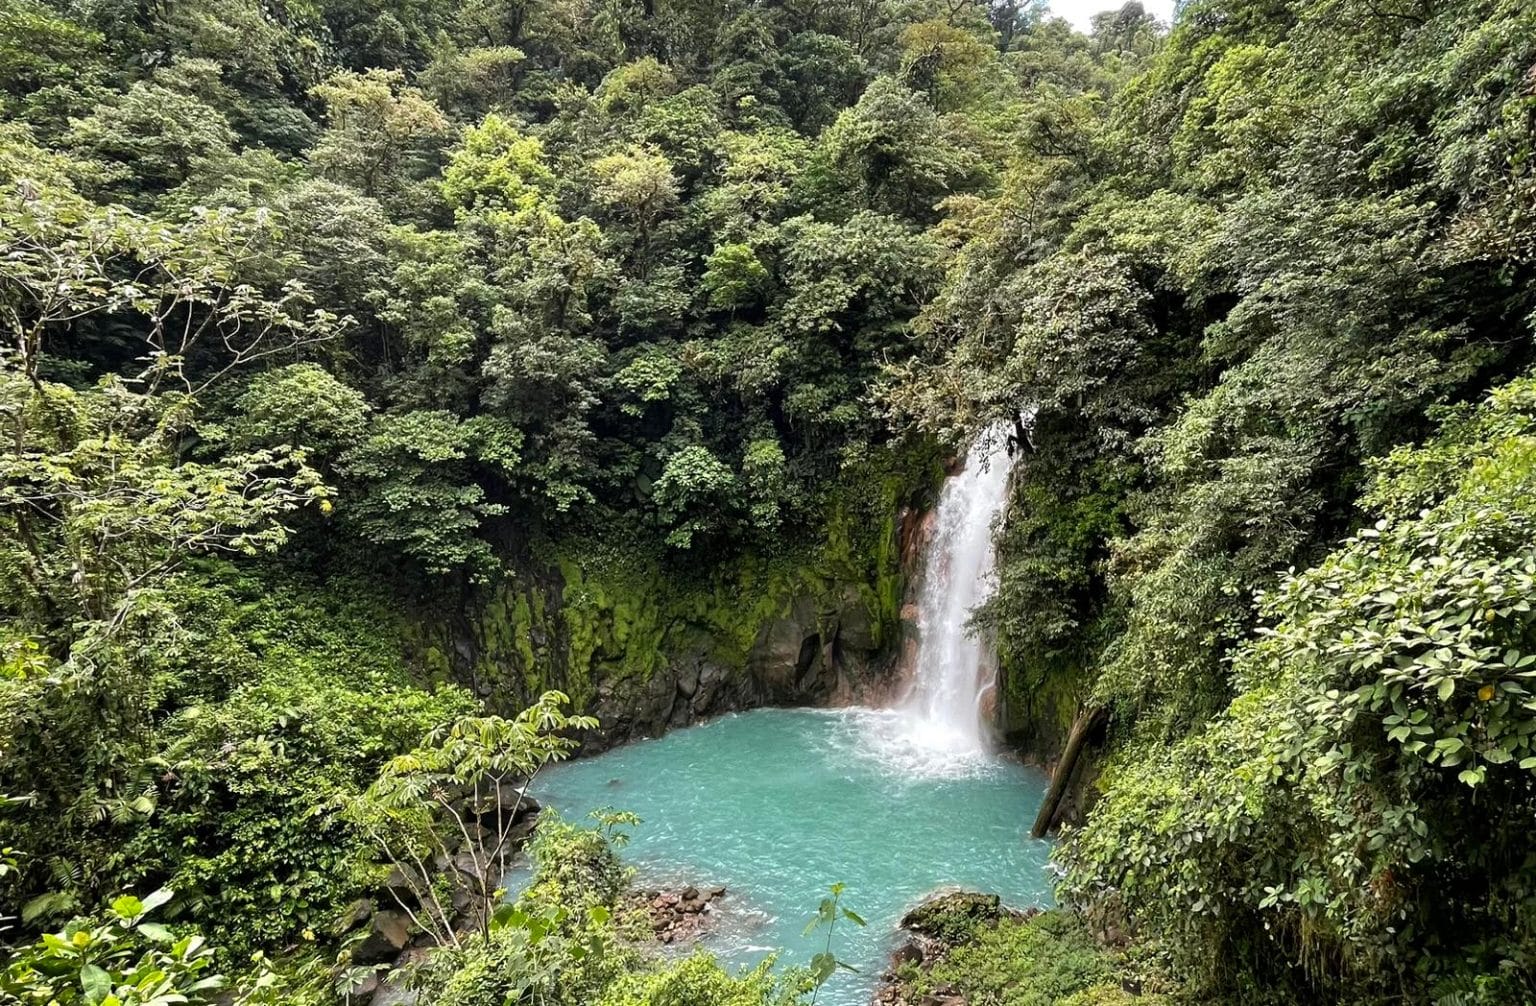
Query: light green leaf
95,983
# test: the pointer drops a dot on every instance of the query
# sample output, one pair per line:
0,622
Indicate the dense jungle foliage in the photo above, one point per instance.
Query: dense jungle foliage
315,312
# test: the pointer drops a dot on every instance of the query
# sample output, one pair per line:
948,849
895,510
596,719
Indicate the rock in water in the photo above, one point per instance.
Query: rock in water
679,916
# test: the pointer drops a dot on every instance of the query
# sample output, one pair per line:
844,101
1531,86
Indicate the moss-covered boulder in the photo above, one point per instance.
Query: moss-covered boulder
1005,959
953,917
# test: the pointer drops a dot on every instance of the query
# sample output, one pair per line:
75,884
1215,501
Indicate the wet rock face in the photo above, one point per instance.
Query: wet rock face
693,688
646,651
807,656
785,652
857,631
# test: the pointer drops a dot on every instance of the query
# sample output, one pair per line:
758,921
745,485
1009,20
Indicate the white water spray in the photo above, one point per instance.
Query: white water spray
955,668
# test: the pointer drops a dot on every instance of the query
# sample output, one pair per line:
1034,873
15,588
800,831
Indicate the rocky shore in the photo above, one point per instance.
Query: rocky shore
931,930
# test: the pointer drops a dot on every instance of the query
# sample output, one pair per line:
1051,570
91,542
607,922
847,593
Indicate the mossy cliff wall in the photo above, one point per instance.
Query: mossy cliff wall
1041,699
647,641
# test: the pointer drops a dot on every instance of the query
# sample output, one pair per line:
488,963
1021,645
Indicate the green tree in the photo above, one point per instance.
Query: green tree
639,188
695,495
1382,742
300,405
413,486
154,136
495,164
888,153
473,774
382,136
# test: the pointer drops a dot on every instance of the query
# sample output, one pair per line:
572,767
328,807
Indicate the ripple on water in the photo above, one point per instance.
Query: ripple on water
778,803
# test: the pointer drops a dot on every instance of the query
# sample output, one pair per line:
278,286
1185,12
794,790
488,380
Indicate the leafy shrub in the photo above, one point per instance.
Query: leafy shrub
700,980
300,405
556,945
414,489
458,794
302,698
1367,797
552,958
120,960
573,867
1047,960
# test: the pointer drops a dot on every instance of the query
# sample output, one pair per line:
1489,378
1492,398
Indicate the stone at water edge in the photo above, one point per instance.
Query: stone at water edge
944,995
935,926
679,916
907,953
954,913
468,864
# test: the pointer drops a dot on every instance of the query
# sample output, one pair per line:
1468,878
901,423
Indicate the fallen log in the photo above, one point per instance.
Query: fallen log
1088,721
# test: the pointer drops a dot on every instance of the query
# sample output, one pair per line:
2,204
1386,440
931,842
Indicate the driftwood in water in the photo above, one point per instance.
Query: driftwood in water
1087,722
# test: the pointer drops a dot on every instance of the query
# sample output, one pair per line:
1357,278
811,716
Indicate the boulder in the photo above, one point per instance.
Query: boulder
908,953
388,935
398,883
787,651
944,995
519,832
953,916
688,680
356,914
811,667
365,988
509,801
712,679
659,701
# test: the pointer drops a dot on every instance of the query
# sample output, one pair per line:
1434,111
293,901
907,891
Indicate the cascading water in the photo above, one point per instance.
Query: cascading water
955,668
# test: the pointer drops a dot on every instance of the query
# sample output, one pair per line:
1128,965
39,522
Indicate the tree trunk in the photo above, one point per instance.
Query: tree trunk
1088,720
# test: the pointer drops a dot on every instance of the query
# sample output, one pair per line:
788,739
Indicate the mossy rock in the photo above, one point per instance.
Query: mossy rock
954,917
1048,958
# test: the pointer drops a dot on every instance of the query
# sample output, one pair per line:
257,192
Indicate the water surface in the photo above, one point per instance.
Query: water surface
776,804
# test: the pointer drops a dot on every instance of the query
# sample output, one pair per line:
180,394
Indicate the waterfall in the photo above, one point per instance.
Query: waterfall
955,669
